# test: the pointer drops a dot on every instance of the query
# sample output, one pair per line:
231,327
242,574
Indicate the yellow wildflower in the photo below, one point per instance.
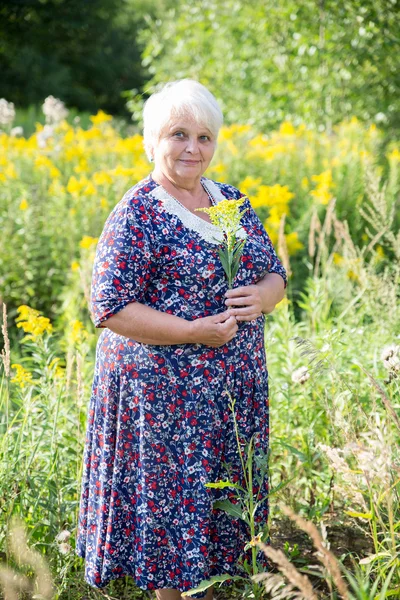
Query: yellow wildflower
56,368
305,183
55,173
254,540
87,242
293,243
287,128
23,204
338,259
226,215
248,184
78,333
322,192
100,117
102,178
10,172
43,161
272,196
394,155
82,167
75,265
89,190
353,276
73,186
31,321
22,376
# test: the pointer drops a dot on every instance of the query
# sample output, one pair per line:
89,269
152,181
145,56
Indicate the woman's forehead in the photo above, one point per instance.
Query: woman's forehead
186,122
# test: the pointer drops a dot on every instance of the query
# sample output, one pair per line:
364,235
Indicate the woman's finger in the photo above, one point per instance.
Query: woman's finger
242,312
240,301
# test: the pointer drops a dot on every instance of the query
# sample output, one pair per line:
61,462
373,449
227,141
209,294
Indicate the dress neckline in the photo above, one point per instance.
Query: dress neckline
192,214
206,230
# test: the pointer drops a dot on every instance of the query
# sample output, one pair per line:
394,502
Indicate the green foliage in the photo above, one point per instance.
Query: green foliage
77,51
269,60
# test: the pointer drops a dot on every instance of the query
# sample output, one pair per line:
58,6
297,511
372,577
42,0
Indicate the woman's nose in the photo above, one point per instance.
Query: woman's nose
192,145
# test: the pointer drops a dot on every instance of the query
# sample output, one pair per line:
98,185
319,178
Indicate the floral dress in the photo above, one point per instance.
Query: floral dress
159,426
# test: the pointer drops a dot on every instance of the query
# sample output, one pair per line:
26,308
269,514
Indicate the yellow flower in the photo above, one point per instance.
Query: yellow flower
338,259
322,192
272,196
31,321
287,128
254,540
23,204
75,266
22,376
56,368
102,178
89,190
226,215
82,167
248,184
100,117
394,155
87,241
54,172
73,186
353,276
305,183
293,243
78,333
10,172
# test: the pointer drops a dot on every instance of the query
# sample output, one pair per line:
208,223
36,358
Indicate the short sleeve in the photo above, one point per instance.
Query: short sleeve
252,223
124,262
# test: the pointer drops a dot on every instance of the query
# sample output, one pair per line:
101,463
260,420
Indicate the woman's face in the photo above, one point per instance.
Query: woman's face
184,150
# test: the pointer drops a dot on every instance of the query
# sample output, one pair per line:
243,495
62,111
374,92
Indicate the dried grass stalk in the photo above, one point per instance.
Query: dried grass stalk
325,556
5,353
282,246
325,232
12,583
315,226
290,572
26,556
386,402
277,588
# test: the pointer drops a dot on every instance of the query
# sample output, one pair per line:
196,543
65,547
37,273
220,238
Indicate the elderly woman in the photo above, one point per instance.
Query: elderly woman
176,345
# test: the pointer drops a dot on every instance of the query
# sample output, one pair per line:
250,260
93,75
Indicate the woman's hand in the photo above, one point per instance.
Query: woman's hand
244,302
250,301
214,331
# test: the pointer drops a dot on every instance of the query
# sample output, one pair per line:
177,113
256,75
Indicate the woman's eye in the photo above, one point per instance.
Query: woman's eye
178,133
205,137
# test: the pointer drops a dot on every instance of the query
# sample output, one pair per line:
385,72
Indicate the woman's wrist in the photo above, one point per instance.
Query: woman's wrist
272,290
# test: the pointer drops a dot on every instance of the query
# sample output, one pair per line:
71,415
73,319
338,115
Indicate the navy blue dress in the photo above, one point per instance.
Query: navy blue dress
159,427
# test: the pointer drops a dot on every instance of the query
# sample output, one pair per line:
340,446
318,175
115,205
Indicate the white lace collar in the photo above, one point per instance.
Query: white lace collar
209,232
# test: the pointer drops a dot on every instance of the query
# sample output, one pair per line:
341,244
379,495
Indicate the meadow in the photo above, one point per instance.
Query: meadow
331,206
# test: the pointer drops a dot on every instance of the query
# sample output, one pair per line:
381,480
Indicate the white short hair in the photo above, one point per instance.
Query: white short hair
179,98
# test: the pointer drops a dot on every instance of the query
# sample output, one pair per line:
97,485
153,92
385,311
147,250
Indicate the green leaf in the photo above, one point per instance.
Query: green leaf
221,484
207,583
235,510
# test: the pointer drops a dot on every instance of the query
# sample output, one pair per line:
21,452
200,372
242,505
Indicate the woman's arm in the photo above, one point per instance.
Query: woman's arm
150,326
253,300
